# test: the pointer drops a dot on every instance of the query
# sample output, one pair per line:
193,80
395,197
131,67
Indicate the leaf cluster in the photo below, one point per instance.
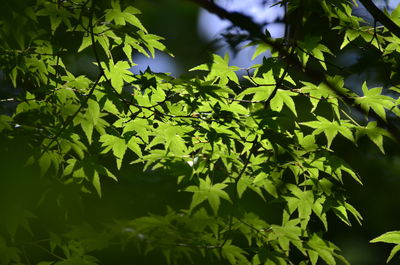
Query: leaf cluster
225,139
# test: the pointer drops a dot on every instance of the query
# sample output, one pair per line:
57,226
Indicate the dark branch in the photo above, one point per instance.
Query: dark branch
237,19
381,17
254,30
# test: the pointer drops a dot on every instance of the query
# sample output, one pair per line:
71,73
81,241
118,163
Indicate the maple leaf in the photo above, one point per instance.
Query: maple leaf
208,191
330,129
373,99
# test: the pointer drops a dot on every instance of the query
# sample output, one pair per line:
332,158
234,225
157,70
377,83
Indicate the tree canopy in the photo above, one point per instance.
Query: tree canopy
222,164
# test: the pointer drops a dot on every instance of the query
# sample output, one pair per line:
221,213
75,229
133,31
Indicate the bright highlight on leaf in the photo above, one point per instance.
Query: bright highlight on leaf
213,193
389,237
373,99
331,129
219,70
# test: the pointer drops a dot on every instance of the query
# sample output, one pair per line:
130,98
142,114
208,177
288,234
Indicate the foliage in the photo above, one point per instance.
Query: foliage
390,237
225,139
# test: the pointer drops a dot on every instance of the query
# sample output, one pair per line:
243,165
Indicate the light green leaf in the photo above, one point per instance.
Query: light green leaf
96,183
324,249
374,133
45,162
242,185
234,254
389,237
283,97
133,20
393,252
260,93
132,145
118,74
330,129
86,42
354,212
208,191
341,212
87,128
116,144
349,36
220,70
373,99
261,48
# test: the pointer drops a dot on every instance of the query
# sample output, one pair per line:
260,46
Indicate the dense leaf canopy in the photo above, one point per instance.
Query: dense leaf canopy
222,164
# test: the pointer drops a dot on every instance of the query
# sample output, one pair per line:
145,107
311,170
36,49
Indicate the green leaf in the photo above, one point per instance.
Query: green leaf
13,76
116,144
388,237
96,183
354,212
133,145
115,14
90,119
87,127
220,70
373,99
5,123
374,133
212,134
87,169
140,126
349,36
208,191
45,162
322,93
9,254
323,249
303,202
234,254
330,129
121,17
133,44
261,47
260,93
242,185
133,20
393,252
341,212
16,218
118,74
86,42
152,42
283,97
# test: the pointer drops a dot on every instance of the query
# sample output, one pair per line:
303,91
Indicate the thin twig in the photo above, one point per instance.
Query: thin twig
255,31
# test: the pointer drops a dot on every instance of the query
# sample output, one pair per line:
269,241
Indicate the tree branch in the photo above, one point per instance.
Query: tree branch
246,23
381,17
236,18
